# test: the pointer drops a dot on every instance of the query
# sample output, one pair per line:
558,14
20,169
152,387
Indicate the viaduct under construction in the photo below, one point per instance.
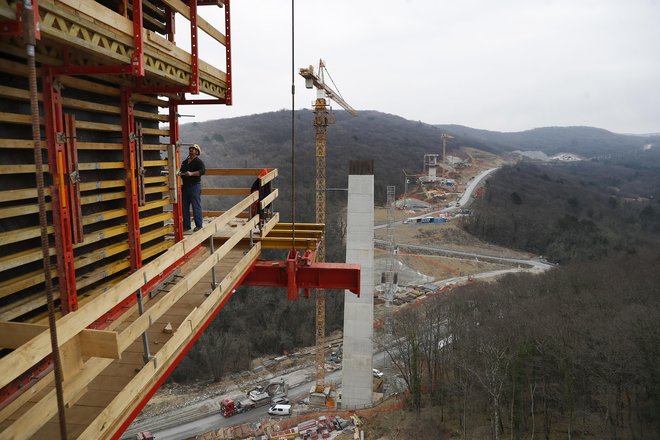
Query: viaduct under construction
101,292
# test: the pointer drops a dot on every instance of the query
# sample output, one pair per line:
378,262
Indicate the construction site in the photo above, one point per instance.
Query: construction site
103,285
102,292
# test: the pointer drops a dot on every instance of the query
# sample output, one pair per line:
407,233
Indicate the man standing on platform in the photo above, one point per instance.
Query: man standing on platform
192,170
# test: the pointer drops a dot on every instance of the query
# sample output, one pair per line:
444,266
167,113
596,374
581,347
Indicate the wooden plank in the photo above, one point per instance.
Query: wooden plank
146,221
268,177
287,243
101,273
102,234
19,169
24,281
91,166
156,233
232,171
21,194
165,302
31,393
72,359
103,197
20,210
204,25
19,143
101,184
219,213
22,234
46,408
155,163
226,191
270,225
15,334
105,424
19,360
11,261
103,216
155,204
268,199
320,226
302,234
100,343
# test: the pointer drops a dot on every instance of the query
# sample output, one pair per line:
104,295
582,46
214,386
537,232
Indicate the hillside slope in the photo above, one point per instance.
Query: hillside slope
391,141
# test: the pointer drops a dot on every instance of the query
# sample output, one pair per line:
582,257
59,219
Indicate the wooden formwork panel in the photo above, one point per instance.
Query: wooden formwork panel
102,255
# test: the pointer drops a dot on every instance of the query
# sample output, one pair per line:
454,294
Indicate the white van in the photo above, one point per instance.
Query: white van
280,410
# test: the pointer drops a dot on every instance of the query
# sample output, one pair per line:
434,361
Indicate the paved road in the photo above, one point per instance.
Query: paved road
163,429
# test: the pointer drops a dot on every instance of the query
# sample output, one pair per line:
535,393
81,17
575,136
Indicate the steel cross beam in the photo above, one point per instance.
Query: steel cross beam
301,273
130,166
60,189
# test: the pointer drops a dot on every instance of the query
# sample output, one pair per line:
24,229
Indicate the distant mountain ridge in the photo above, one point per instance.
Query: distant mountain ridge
585,141
394,143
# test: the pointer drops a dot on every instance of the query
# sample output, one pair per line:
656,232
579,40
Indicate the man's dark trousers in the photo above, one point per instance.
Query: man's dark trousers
192,194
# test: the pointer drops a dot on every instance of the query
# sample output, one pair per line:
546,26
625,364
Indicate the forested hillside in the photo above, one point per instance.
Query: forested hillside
572,211
392,142
572,353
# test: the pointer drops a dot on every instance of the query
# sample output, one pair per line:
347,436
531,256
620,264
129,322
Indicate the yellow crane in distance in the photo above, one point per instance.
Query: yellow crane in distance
323,116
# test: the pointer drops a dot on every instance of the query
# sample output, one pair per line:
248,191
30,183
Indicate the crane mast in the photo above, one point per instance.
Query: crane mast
323,116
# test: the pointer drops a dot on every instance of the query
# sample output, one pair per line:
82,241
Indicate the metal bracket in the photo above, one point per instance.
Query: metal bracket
75,176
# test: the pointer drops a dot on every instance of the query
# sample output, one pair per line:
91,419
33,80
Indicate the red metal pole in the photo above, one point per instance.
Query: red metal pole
174,140
137,60
228,96
57,160
133,214
194,49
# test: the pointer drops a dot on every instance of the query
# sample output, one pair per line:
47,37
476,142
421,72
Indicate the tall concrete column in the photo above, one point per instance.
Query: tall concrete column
359,312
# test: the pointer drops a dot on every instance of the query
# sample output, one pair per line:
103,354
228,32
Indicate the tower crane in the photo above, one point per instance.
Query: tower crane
323,116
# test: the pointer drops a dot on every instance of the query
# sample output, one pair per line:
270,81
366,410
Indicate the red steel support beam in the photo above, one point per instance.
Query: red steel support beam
15,27
74,179
228,97
133,214
174,140
293,275
194,49
57,160
137,59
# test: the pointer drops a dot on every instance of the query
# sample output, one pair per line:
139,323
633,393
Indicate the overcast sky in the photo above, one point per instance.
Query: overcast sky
505,65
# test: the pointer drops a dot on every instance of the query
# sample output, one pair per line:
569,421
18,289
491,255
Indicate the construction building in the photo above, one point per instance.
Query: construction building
91,235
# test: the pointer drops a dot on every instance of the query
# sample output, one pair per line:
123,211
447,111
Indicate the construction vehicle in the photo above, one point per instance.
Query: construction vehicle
323,116
259,396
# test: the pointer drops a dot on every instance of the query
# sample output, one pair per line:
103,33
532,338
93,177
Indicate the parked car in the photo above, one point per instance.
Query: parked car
377,373
280,400
280,410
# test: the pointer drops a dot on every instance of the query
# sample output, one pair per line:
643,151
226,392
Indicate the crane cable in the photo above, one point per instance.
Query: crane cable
30,42
333,82
293,131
